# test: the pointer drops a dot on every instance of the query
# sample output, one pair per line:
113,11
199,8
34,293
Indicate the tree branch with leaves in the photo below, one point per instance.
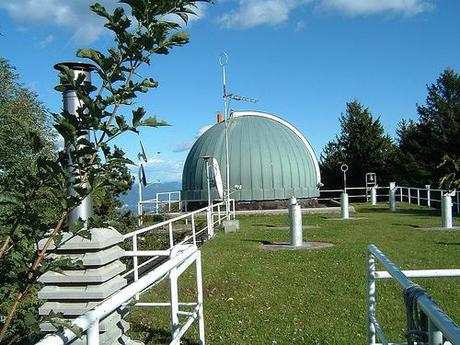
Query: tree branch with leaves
149,28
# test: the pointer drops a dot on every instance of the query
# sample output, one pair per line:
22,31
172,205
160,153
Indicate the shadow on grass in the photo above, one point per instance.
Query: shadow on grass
444,243
268,225
410,211
259,241
156,335
409,225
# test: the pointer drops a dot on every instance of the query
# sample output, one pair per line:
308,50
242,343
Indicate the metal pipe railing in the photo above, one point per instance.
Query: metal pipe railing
439,320
90,320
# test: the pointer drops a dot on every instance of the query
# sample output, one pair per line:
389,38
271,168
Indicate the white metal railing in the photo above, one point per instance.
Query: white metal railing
180,259
421,196
426,196
174,260
441,329
164,199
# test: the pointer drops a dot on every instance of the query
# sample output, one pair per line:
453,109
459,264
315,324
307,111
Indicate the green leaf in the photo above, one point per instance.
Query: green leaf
138,114
153,122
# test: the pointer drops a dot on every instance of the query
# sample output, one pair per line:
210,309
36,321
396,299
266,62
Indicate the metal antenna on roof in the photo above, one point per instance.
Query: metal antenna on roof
223,61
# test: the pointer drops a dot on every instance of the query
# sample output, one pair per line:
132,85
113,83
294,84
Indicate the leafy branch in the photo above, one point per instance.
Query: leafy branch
85,166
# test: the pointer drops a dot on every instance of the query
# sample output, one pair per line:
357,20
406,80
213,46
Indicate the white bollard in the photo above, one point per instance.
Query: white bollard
446,211
392,196
295,223
374,196
344,206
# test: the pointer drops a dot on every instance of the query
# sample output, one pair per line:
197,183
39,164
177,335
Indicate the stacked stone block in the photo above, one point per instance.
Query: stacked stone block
73,292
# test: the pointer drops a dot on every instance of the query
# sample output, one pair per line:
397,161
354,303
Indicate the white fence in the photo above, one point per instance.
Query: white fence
171,263
164,201
412,195
440,329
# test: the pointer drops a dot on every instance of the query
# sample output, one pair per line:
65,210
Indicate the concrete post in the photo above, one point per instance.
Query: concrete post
73,292
446,211
295,223
344,206
392,196
374,195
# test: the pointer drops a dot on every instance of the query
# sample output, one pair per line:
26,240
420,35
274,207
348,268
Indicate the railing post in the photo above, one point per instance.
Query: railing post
371,299
434,335
418,196
174,298
92,334
210,222
171,235
401,194
193,228
199,290
409,195
135,264
218,214
428,195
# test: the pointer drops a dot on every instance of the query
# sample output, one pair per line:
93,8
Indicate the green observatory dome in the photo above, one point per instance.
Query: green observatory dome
269,158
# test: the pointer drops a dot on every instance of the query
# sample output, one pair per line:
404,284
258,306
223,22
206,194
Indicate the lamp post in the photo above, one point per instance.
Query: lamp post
71,103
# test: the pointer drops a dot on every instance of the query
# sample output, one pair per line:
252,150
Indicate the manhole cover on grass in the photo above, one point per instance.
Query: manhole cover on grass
287,246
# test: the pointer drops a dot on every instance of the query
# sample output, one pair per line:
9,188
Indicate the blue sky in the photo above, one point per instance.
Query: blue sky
302,59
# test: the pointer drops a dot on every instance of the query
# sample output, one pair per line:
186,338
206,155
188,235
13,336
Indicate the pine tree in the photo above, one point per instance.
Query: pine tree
362,145
424,143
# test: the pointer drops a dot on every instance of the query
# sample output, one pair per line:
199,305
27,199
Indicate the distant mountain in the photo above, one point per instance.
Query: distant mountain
130,199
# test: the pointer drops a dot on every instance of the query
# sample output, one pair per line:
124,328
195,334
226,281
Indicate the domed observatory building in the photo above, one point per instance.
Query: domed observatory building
269,158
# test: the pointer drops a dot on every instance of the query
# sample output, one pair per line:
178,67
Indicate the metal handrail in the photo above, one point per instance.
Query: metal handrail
89,321
441,324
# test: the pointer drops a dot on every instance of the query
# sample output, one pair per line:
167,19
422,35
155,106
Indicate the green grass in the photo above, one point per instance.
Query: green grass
257,296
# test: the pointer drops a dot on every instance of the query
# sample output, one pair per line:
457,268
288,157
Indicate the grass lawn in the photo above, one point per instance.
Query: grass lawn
257,296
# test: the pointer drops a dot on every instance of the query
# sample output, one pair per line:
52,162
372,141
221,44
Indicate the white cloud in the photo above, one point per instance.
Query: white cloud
46,41
158,169
186,145
251,13
365,7
73,15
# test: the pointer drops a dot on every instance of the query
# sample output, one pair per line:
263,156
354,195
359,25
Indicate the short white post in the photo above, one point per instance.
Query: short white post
401,194
428,195
392,196
344,206
409,196
418,196
295,223
374,195
446,210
